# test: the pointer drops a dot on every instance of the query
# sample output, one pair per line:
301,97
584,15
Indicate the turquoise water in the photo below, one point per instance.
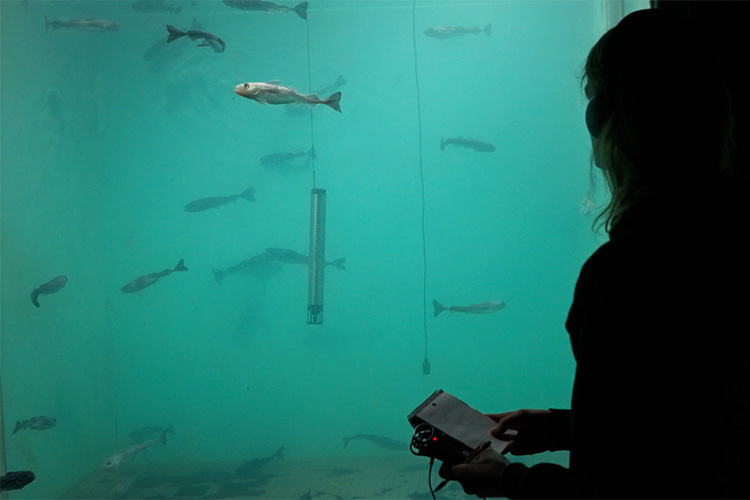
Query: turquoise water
101,150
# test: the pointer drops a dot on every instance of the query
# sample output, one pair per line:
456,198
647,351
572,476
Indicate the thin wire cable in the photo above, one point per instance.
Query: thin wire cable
309,88
421,174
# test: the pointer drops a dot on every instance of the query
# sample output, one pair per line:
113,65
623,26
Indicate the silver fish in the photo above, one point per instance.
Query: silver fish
217,201
382,441
445,32
35,424
271,93
52,286
481,146
209,40
156,6
285,163
98,25
292,257
260,266
481,308
149,432
262,6
145,281
127,454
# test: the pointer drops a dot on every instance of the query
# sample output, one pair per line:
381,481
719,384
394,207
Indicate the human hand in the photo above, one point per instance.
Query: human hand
532,426
480,477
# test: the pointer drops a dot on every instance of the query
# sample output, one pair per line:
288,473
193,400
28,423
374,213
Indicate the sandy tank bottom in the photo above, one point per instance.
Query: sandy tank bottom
378,477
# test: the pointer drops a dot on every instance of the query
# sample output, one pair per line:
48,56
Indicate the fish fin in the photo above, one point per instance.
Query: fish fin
196,25
178,9
163,437
180,266
248,194
442,147
274,82
340,81
339,263
174,33
333,101
488,29
219,275
34,295
301,10
311,153
279,453
438,307
19,425
346,441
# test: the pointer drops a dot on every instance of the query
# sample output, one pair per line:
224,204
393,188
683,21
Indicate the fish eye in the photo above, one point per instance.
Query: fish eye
246,85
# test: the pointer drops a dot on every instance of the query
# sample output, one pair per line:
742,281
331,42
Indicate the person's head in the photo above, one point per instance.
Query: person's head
659,112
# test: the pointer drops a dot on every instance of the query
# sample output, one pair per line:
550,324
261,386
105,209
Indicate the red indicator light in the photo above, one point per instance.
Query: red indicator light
434,439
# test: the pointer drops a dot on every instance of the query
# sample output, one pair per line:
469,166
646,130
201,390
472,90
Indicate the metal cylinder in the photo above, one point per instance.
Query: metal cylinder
317,261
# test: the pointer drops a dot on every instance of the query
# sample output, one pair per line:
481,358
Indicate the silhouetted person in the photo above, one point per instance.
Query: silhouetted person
659,323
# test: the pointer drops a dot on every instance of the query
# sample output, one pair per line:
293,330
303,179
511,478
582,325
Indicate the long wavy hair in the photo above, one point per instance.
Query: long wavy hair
666,130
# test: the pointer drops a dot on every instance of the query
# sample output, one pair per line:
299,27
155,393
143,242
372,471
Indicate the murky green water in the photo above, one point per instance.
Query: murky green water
102,149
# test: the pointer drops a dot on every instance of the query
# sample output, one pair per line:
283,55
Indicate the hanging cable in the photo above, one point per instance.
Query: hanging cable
309,89
426,362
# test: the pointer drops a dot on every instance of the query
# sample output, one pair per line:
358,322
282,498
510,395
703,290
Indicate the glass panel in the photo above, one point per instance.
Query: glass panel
123,155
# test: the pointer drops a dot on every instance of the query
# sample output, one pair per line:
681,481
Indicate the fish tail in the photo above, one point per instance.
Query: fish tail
163,437
248,194
219,275
174,33
438,307
346,441
180,266
339,263
443,141
279,453
311,153
19,426
301,10
34,295
333,101
488,29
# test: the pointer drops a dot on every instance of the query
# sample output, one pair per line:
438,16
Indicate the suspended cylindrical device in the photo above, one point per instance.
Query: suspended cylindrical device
317,256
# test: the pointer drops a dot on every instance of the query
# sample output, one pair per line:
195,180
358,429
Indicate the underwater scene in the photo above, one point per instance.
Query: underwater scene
168,330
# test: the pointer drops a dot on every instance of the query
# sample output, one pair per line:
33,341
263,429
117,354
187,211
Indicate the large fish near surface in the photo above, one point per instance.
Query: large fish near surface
481,146
209,40
260,5
285,163
445,32
292,257
52,286
382,441
155,6
145,281
260,266
35,424
249,469
98,25
482,308
217,201
127,454
272,93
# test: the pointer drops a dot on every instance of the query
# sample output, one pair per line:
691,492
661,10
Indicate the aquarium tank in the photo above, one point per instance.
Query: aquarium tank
243,240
